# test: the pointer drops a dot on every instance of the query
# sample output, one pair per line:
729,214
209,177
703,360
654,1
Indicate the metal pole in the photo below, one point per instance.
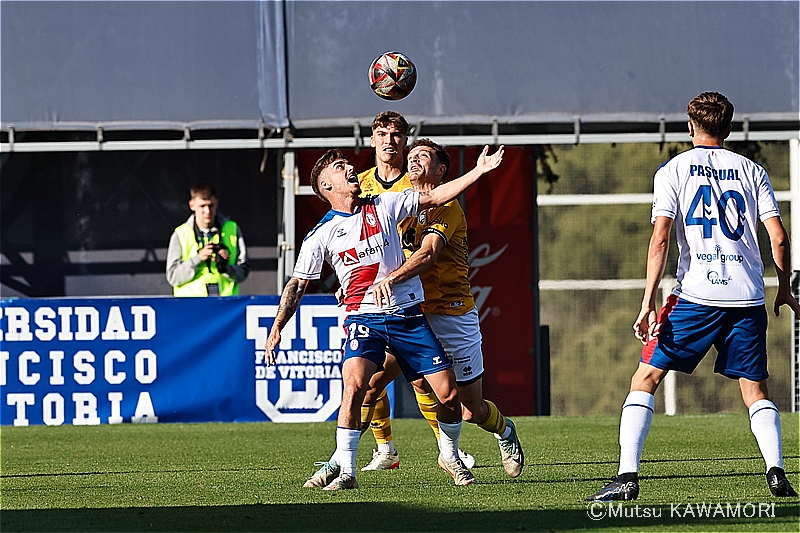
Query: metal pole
670,390
286,250
794,208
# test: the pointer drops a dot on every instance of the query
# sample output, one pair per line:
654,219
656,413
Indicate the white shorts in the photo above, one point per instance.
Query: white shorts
461,339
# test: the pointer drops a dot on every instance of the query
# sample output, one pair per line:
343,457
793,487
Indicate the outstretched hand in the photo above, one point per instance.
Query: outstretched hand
785,296
382,291
339,294
487,163
645,326
273,340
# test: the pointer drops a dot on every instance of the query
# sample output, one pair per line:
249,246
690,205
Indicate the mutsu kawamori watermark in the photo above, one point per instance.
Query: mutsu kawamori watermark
603,510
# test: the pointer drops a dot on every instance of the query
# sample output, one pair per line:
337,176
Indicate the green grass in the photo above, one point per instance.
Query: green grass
248,477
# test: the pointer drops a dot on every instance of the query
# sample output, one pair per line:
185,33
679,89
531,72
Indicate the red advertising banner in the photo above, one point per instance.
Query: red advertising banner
499,210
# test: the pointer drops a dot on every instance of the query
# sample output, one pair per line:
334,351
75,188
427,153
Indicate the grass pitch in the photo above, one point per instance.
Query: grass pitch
700,473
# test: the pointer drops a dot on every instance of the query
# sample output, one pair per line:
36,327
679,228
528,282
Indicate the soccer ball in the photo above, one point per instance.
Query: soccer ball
392,76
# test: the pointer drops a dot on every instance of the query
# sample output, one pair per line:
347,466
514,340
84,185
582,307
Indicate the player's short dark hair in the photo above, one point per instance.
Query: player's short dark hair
390,118
322,163
441,154
203,190
712,112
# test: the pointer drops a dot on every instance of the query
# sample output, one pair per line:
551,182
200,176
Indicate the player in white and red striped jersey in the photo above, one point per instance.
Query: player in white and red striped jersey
359,238
715,199
363,248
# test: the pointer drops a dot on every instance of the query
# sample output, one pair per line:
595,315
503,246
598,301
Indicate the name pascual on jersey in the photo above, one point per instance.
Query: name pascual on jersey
722,174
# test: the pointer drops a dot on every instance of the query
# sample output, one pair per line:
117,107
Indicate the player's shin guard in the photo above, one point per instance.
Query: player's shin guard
346,448
495,423
381,424
448,440
634,424
427,406
765,423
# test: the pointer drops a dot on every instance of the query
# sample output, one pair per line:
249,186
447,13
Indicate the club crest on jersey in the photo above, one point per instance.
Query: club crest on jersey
370,224
349,257
423,217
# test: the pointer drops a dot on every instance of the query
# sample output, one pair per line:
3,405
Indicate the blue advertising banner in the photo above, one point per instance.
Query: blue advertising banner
122,360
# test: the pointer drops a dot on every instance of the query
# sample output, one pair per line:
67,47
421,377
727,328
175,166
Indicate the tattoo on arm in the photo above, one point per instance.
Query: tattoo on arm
290,300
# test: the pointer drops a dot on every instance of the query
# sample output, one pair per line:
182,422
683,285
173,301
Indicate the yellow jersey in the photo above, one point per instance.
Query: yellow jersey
372,184
446,282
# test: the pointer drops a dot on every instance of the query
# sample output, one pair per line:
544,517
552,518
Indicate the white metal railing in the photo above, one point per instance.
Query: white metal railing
289,143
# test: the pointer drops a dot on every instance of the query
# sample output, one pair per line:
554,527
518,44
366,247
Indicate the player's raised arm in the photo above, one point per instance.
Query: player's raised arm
290,300
447,191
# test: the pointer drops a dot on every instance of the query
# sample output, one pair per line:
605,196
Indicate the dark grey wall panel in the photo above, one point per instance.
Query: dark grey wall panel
143,62
224,63
545,60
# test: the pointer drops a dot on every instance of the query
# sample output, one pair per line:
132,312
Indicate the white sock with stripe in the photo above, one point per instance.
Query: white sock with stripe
634,424
765,423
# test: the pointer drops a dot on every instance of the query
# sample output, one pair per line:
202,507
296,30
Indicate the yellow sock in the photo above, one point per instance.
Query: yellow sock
367,412
495,423
427,406
381,424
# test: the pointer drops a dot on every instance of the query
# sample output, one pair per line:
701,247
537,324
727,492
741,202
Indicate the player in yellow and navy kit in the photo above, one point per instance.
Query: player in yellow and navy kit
389,133
437,249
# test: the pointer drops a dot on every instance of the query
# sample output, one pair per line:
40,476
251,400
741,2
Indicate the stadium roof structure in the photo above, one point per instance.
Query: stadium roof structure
127,75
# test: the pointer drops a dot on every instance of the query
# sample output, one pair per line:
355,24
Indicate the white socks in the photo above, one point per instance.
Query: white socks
387,447
766,426
637,414
346,448
448,440
634,424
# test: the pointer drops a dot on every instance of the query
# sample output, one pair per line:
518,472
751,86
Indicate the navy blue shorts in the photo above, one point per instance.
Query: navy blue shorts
688,330
405,333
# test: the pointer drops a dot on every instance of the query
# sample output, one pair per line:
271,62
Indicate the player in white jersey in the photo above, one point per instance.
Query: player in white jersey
714,199
359,239
720,197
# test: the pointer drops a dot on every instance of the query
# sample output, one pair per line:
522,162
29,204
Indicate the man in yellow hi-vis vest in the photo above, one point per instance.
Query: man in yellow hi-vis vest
206,255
